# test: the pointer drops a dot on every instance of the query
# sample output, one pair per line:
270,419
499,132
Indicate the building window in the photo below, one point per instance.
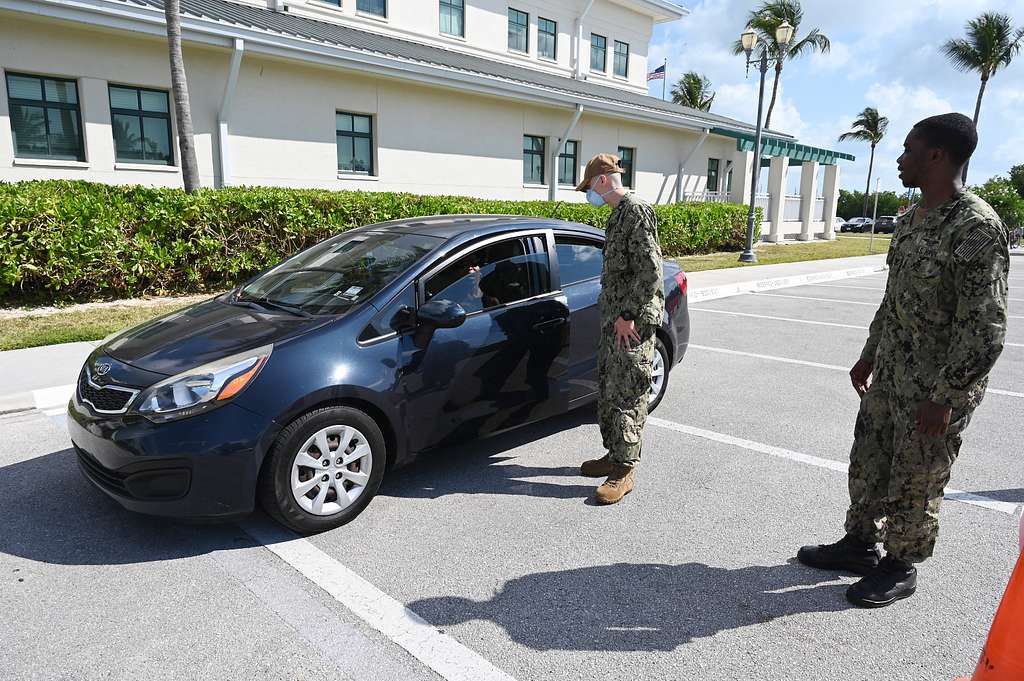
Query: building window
533,159
355,143
621,65
453,17
376,7
518,31
712,175
141,122
46,121
568,163
598,53
626,163
547,39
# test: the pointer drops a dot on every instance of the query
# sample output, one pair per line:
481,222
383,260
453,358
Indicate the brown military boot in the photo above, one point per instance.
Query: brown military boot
619,483
597,468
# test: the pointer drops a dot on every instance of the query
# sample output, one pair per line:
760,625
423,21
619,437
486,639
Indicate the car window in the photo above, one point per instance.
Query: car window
337,274
578,259
385,322
497,274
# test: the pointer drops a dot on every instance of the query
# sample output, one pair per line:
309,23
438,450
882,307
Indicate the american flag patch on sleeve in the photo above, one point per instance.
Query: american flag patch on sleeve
972,245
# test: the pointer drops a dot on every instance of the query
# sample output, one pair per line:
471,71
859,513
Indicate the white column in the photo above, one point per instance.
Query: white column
808,193
94,99
831,199
742,168
777,192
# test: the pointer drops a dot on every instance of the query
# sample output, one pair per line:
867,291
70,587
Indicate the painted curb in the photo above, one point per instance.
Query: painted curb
44,399
727,290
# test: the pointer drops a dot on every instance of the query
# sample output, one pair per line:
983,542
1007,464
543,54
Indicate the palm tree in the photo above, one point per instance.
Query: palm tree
991,44
768,17
868,127
179,88
693,90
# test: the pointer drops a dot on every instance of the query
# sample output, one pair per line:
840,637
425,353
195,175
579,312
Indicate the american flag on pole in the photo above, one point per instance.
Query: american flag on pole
657,74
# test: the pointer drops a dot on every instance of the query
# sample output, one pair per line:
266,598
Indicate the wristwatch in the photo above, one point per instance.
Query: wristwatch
627,316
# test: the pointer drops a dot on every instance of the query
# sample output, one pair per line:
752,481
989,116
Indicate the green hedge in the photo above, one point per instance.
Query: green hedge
73,241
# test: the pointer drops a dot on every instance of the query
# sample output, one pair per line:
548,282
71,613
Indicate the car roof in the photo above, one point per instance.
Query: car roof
468,227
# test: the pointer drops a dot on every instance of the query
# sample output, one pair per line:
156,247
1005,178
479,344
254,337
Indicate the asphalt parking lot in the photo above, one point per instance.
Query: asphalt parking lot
488,561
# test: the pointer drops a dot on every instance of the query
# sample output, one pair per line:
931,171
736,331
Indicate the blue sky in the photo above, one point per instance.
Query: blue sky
885,54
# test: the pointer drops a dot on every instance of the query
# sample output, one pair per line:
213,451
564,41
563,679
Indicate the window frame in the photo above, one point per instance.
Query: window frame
370,12
604,53
526,27
543,156
372,172
628,178
615,60
544,235
717,171
575,156
142,114
554,38
452,6
44,104
584,240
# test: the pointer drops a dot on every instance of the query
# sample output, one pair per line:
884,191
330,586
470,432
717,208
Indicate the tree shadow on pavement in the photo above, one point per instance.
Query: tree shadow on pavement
640,607
479,467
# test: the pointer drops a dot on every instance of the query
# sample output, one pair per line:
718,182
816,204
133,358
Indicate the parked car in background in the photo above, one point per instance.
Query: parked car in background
886,224
301,388
856,225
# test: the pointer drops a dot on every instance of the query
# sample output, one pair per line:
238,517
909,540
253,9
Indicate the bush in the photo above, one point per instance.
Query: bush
73,241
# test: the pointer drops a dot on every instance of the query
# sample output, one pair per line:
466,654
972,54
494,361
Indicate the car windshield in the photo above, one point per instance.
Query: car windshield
338,274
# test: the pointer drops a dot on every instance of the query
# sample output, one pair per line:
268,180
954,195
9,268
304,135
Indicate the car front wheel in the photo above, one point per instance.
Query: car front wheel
324,469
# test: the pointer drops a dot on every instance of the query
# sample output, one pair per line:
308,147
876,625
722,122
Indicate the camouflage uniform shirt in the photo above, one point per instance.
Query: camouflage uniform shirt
942,321
631,278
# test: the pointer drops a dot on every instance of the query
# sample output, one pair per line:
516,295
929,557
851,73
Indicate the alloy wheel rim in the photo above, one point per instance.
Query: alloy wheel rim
657,376
331,470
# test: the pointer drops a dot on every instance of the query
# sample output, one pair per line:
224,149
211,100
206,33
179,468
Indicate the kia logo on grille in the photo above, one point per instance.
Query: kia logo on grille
102,368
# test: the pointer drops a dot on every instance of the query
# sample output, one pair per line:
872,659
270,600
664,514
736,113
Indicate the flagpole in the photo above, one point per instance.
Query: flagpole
664,80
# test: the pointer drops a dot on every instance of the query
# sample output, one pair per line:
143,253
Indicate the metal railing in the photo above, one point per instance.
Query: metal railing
819,209
763,201
791,209
706,197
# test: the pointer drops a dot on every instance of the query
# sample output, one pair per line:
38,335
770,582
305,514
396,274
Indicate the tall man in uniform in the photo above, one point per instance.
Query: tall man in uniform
631,307
934,339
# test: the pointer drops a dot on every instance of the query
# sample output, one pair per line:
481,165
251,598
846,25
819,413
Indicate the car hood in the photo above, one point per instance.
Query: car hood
203,333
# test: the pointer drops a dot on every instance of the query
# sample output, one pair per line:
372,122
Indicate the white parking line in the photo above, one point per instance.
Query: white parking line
816,365
446,656
778,319
951,494
820,300
861,288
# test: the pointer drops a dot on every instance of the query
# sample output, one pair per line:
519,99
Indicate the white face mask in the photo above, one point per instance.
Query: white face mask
596,199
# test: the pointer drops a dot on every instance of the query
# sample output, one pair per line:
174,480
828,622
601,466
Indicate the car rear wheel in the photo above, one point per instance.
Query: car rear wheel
324,469
659,375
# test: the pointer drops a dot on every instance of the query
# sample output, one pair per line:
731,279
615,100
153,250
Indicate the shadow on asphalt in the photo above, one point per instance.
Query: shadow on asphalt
478,467
1015,496
52,514
640,607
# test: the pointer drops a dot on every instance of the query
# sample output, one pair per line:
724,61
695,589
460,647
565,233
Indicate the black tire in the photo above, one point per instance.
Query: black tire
274,491
660,348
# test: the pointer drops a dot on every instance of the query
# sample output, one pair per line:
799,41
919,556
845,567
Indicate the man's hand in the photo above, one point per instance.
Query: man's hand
933,419
860,374
625,332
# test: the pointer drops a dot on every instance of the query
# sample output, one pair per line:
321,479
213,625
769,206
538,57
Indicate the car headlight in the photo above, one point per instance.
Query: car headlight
205,387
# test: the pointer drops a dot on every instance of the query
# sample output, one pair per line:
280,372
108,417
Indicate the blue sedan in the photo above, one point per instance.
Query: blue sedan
302,387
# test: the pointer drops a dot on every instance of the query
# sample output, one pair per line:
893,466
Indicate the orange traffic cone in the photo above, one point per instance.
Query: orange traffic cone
1002,660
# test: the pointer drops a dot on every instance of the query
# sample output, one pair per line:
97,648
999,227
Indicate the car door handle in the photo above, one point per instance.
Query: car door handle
549,324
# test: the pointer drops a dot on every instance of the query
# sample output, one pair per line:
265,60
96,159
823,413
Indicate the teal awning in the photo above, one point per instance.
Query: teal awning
775,146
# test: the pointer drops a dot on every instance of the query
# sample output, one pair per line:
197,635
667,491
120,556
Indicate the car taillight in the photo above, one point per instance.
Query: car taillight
682,281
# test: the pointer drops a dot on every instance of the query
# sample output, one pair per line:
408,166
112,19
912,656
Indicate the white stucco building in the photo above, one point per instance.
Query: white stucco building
487,98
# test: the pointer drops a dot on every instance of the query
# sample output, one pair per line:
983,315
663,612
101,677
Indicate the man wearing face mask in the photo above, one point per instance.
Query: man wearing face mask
935,337
631,306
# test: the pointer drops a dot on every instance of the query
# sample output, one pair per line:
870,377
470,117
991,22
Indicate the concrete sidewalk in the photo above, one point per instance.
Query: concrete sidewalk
44,377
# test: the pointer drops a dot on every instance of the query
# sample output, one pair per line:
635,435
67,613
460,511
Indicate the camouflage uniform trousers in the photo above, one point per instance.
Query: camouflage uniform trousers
897,475
624,384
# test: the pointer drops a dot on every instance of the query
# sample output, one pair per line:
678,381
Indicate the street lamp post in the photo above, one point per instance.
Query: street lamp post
783,34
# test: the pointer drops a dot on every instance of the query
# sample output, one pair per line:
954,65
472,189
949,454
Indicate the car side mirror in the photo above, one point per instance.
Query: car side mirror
403,320
441,314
